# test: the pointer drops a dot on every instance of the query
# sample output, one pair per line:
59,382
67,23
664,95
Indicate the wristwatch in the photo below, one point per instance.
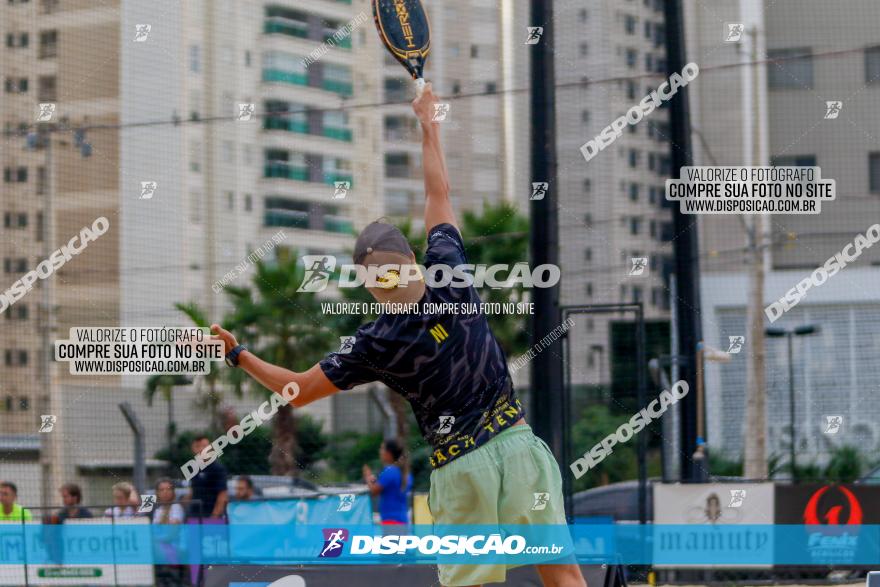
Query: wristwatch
232,356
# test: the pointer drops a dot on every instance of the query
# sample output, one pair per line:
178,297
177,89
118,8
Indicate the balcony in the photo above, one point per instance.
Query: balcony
339,134
287,77
285,26
338,87
286,124
338,224
284,170
286,218
331,177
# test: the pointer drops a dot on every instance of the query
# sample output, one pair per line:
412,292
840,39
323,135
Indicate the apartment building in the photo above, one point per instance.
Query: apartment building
612,208
776,113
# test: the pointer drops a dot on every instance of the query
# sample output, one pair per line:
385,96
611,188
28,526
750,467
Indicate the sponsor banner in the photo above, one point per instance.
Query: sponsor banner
713,505
837,521
669,545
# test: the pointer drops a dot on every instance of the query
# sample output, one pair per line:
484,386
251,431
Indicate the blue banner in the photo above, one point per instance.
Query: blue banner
315,544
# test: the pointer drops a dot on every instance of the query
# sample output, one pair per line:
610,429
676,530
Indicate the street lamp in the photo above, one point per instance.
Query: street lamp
805,330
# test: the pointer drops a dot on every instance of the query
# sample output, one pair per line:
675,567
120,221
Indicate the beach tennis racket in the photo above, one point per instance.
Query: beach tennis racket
405,31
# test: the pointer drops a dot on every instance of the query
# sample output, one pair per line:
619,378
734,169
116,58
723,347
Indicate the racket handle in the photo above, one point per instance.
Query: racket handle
420,86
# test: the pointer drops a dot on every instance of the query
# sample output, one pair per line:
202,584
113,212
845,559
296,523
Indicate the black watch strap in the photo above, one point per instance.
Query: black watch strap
232,356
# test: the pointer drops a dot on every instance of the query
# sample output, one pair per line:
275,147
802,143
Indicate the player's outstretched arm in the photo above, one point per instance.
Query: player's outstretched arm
313,384
438,207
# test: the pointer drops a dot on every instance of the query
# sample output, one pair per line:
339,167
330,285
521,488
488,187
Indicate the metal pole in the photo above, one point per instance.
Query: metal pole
641,390
685,243
790,337
546,379
140,463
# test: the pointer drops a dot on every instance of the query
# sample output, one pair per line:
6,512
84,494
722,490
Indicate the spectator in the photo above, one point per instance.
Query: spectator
9,510
208,495
71,497
244,488
393,484
167,512
125,498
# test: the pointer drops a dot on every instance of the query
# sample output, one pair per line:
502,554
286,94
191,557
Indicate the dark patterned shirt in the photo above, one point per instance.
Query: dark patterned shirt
448,365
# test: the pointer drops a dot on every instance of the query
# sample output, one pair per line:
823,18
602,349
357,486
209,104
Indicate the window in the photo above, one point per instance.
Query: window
247,58
634,192
39,227
48,44
583,15
195,58
632,56
584,49
790,69
633,158
631,89
635,225
475,51
248,202
874,171
629,24
793,161
46,88
588,220
195,207
872,66
588,255
230,201
588,185
24,403
491,88
636,294
648,32
589,290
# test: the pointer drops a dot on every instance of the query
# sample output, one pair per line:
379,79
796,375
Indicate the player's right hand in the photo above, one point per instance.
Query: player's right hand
423,105
228,339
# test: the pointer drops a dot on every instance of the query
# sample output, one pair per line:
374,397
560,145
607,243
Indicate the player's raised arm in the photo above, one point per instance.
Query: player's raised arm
438,207
311,385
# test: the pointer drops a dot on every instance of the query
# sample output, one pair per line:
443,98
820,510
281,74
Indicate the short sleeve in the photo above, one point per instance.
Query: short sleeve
353,363
445,246
390,477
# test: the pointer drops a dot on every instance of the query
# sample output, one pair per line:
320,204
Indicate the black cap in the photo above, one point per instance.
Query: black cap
380,237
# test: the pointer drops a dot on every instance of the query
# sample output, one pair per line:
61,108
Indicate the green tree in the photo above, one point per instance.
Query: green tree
164,385
597,422
846,465
500,235
208,393
284,327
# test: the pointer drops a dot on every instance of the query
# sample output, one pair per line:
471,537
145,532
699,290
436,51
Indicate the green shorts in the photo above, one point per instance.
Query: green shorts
497,484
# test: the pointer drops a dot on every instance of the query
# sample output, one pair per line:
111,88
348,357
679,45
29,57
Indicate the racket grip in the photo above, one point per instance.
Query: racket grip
420,86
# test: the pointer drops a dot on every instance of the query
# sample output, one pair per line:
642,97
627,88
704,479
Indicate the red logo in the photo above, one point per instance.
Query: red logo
831,515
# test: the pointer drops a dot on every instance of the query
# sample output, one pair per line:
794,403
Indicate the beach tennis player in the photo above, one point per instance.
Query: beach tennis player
487,464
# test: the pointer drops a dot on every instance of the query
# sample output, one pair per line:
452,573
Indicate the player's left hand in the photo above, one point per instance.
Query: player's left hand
367,472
